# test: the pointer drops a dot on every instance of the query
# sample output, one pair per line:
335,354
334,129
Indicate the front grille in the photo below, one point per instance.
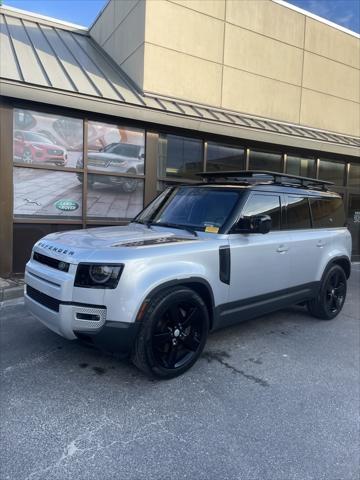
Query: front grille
51,262
43,299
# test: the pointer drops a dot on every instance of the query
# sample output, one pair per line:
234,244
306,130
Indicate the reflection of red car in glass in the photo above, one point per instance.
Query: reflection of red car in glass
31,147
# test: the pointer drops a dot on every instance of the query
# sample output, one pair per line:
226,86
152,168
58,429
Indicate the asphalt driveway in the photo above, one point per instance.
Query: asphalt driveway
276,398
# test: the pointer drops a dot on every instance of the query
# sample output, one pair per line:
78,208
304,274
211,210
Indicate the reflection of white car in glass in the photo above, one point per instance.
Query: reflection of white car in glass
32,147
116,158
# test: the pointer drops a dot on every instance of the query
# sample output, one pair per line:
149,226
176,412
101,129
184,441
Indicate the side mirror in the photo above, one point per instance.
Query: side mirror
253,224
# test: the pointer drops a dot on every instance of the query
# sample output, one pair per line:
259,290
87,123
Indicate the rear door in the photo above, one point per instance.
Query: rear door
259,263
306,245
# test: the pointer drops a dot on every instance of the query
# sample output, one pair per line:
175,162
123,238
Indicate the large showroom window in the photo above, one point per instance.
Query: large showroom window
115,166
224,157
48,194
180,157
42,139
305,167
260,160
53,182
45,146
332,171
354,175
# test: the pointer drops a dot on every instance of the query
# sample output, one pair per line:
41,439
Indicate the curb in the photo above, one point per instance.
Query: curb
11,293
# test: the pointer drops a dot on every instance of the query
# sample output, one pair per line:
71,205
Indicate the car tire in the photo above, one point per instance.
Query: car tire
129,185
331,298
173,333
27,156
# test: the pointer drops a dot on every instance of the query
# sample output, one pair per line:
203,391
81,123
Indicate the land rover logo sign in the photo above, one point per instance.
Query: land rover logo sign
66,205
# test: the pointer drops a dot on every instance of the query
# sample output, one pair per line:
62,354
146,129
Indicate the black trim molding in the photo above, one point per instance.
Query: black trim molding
225,264
238,311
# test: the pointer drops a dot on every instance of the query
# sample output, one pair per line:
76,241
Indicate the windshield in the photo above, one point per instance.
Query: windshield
200,208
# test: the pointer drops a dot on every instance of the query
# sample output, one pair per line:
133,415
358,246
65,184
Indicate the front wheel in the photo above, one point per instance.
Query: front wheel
27,156
331,298
173,333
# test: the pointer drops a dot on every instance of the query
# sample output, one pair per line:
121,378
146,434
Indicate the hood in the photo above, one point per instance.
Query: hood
80,243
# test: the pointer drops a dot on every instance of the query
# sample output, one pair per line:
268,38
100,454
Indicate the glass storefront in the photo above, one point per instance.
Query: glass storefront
47,194
45,146
224,157
180,157
46,139
260,160
332,171
302,166
61,183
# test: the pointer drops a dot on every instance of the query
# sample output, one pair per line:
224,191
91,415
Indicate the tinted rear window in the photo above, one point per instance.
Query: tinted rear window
327,212
298,213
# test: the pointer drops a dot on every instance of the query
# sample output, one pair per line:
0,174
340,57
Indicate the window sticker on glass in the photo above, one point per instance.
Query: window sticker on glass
211,229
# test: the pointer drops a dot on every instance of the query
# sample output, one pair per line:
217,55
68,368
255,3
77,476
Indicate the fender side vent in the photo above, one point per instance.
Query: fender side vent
224,264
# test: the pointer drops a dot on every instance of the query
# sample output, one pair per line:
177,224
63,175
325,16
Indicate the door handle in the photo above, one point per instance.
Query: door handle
282,249
320,244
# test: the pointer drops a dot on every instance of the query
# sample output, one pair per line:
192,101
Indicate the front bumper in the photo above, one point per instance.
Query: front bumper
117,337
69,318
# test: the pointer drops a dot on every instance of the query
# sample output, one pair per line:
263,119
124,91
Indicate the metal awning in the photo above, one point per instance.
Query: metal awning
50,62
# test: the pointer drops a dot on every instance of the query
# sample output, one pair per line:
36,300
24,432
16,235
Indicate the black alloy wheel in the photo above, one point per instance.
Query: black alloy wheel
331,298
173,333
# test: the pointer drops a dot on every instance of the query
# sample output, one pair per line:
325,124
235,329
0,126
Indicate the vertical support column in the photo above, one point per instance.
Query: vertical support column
85,175
247,158
205,144
317,167
6,188
151,156
284,163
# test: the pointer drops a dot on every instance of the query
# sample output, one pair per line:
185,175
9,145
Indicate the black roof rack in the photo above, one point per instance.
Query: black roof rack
264,175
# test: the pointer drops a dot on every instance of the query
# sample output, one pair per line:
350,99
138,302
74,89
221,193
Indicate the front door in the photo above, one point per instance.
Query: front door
259,262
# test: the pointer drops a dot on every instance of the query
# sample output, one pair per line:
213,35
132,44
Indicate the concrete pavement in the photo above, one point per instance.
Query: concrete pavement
276,398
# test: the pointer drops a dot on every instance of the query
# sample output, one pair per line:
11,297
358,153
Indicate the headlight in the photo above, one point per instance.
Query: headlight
98,276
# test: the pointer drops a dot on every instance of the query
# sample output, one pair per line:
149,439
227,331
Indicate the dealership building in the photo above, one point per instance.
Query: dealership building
94,123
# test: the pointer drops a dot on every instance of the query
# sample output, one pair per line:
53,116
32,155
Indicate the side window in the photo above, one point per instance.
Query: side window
298,213
264,205
327,212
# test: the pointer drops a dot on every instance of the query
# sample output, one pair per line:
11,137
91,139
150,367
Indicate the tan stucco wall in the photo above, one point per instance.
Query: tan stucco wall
252,56
120,31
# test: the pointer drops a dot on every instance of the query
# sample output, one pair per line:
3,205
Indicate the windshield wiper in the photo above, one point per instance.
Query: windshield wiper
175,225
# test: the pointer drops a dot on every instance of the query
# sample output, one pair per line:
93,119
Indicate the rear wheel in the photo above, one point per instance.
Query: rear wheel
330,301
173,333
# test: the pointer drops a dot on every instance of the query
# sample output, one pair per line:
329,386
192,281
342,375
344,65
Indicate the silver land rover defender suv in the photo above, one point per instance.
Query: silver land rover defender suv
198,258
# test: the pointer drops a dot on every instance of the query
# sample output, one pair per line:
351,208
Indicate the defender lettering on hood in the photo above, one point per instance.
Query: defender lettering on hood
48,246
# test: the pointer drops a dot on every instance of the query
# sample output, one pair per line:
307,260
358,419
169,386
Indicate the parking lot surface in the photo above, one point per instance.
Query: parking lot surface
276,398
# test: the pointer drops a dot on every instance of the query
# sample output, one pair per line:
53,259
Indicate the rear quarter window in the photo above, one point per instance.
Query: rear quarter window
327,212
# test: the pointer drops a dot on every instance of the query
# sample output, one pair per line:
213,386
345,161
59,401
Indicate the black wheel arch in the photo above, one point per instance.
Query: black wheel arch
198,284
343,262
